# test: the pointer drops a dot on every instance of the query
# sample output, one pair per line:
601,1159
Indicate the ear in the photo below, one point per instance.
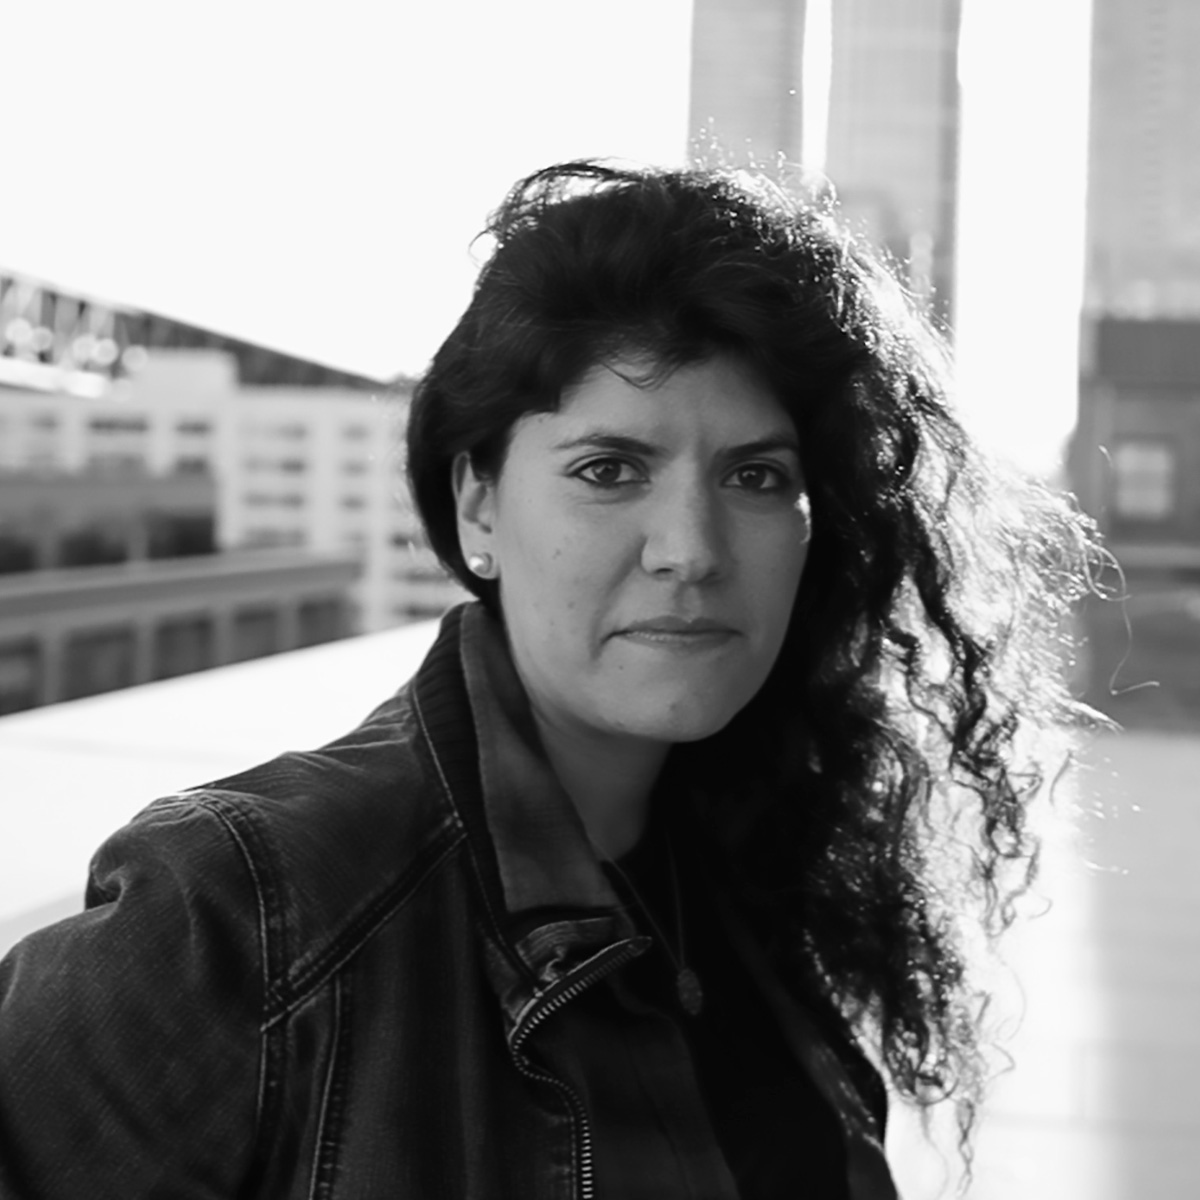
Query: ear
475,502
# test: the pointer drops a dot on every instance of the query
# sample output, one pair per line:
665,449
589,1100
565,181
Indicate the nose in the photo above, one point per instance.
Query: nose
685,535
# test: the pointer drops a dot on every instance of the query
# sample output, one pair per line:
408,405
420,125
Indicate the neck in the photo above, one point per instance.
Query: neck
609,780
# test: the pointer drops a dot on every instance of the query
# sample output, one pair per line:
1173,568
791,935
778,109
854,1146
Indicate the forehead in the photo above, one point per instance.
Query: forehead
719,400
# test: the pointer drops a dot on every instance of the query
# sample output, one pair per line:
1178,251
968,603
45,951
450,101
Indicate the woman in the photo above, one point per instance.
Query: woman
674,832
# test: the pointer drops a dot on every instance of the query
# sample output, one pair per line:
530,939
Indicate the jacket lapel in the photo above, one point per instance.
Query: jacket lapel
554,919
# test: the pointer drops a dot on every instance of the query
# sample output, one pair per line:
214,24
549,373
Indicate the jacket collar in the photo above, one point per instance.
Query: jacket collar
549,906
545,858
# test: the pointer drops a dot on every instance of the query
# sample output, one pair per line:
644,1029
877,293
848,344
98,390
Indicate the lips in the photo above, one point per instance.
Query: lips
679,634
678,625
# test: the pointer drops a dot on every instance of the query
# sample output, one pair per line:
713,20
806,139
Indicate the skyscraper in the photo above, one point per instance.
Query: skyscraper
891,141
892,148
1144,173
1140,370
746,91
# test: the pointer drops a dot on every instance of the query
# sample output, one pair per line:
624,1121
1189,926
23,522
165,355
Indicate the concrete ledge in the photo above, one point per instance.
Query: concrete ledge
74,772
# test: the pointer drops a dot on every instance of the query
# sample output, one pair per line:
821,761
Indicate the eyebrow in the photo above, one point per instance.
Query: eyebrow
624,444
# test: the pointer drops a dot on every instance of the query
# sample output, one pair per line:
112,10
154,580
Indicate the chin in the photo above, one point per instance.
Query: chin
672,728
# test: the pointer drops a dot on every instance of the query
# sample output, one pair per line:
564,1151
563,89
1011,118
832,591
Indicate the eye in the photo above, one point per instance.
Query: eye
608,472
759,477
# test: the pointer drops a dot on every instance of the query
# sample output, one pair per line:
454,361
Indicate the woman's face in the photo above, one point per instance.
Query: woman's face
649,543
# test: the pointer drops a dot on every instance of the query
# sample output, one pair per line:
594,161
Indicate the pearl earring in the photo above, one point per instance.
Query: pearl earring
804,507
481,564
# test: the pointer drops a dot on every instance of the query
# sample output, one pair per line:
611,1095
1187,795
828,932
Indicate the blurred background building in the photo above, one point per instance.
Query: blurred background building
1144,187
173,499
1136,451
892,144
1141,366
865,92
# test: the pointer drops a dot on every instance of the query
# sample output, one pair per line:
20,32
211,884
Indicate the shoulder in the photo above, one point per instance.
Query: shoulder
319,848
371,797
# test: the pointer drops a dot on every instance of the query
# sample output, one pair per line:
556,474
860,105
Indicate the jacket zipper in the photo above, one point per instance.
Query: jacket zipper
610,960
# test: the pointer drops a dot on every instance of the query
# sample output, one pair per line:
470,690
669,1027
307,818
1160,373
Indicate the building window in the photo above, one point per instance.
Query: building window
320,621
183,645
92,546
117,425
20,675
354,502
289,430
99,660
354,466
255,633
263,537
194,426
17,553
1144,477
355,433
117,464
117,444
274,499
288,466
178,535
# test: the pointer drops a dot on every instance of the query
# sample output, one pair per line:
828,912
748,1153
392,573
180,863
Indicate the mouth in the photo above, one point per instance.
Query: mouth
680,632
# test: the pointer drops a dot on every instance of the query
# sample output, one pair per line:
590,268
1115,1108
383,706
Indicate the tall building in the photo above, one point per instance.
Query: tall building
1144,173
1136,456
891,141
746,91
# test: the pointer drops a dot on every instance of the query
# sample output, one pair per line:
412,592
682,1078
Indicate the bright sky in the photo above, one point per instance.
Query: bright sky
311,175
306,174
1024,73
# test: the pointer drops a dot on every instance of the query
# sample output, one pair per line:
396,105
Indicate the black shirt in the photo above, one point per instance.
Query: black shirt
778,1135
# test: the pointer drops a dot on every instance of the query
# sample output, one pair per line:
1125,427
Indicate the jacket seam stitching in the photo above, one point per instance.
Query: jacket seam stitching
375,917
324,1143
263,935
481,887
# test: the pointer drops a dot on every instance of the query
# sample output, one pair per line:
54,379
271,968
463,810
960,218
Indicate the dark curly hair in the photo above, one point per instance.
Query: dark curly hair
872,802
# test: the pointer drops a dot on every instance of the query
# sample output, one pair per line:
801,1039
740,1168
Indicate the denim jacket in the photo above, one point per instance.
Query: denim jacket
306,981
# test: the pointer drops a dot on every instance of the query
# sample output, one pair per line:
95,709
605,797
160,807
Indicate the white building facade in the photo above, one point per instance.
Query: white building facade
315,467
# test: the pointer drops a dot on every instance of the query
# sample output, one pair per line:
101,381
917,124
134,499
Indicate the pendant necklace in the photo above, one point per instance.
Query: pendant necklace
687,982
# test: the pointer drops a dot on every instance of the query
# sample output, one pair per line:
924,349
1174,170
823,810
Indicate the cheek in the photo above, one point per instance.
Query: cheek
778,565
548,590
567,558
